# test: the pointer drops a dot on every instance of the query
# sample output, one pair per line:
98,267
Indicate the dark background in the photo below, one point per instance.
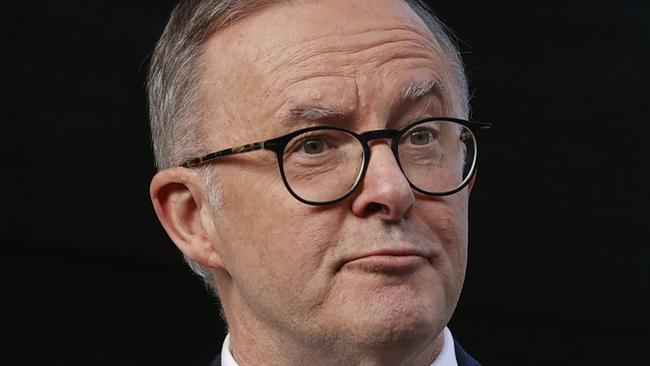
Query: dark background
559,268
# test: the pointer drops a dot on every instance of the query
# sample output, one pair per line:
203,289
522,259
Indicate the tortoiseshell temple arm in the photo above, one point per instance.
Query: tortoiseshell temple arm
215,155
476,126
466,136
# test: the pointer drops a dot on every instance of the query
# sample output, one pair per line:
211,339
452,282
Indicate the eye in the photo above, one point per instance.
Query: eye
420,137
314,146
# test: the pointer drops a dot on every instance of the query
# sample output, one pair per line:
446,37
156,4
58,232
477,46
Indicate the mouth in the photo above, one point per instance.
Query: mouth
389,261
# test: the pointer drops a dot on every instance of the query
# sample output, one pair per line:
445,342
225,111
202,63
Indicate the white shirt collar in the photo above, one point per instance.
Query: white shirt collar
446,357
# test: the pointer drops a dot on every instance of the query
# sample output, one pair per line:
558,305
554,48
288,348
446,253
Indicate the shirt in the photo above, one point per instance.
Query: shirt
446,357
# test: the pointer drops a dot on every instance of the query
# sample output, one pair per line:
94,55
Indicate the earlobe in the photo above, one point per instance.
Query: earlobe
180,202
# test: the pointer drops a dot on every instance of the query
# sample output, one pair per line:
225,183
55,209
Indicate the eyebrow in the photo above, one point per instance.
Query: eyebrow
419,90
413,93
312,113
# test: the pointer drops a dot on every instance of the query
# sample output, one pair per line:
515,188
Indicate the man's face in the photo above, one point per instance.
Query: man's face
385,264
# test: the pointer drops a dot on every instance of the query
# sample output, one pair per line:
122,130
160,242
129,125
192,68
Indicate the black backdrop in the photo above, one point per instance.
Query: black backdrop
559,248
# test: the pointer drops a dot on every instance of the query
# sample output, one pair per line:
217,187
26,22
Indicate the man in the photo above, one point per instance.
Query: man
326,244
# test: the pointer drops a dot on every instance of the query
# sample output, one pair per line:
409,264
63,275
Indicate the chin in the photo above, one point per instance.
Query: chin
397,316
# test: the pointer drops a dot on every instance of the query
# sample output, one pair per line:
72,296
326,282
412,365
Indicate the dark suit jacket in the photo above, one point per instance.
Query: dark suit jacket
461,356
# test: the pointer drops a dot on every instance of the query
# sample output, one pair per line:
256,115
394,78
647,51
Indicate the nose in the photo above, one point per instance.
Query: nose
384,191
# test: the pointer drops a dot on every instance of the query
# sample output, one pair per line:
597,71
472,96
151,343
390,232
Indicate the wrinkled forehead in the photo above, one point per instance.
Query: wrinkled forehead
297,22
326,47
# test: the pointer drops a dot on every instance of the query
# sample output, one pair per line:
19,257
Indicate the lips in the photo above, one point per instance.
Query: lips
391,261
392,252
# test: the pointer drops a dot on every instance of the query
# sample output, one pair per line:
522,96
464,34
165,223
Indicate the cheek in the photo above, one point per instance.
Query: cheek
446,214
302,243
447,220
284,240
284,269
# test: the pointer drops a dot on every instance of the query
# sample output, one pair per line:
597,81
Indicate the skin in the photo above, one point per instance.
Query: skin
302,284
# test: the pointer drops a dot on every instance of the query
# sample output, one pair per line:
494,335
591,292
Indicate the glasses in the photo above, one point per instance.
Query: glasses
323,165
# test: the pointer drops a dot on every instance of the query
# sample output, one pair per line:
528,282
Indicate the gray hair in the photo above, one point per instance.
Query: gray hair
175,74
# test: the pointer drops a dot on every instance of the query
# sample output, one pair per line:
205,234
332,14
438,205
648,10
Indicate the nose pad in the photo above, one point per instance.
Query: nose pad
384,191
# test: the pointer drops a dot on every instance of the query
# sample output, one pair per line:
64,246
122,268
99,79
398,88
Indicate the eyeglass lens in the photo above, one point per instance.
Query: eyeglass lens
325,165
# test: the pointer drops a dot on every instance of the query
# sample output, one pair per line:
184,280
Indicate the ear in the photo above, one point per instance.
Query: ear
181,204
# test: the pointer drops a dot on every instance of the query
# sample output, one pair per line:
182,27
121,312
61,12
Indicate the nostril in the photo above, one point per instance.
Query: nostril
377,207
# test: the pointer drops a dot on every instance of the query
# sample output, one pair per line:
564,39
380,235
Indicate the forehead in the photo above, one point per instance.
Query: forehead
348,54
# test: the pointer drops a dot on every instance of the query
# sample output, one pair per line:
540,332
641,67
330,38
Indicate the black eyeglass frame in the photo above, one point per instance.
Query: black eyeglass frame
278,145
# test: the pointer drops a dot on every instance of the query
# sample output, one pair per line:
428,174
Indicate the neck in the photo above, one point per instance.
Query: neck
261,346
